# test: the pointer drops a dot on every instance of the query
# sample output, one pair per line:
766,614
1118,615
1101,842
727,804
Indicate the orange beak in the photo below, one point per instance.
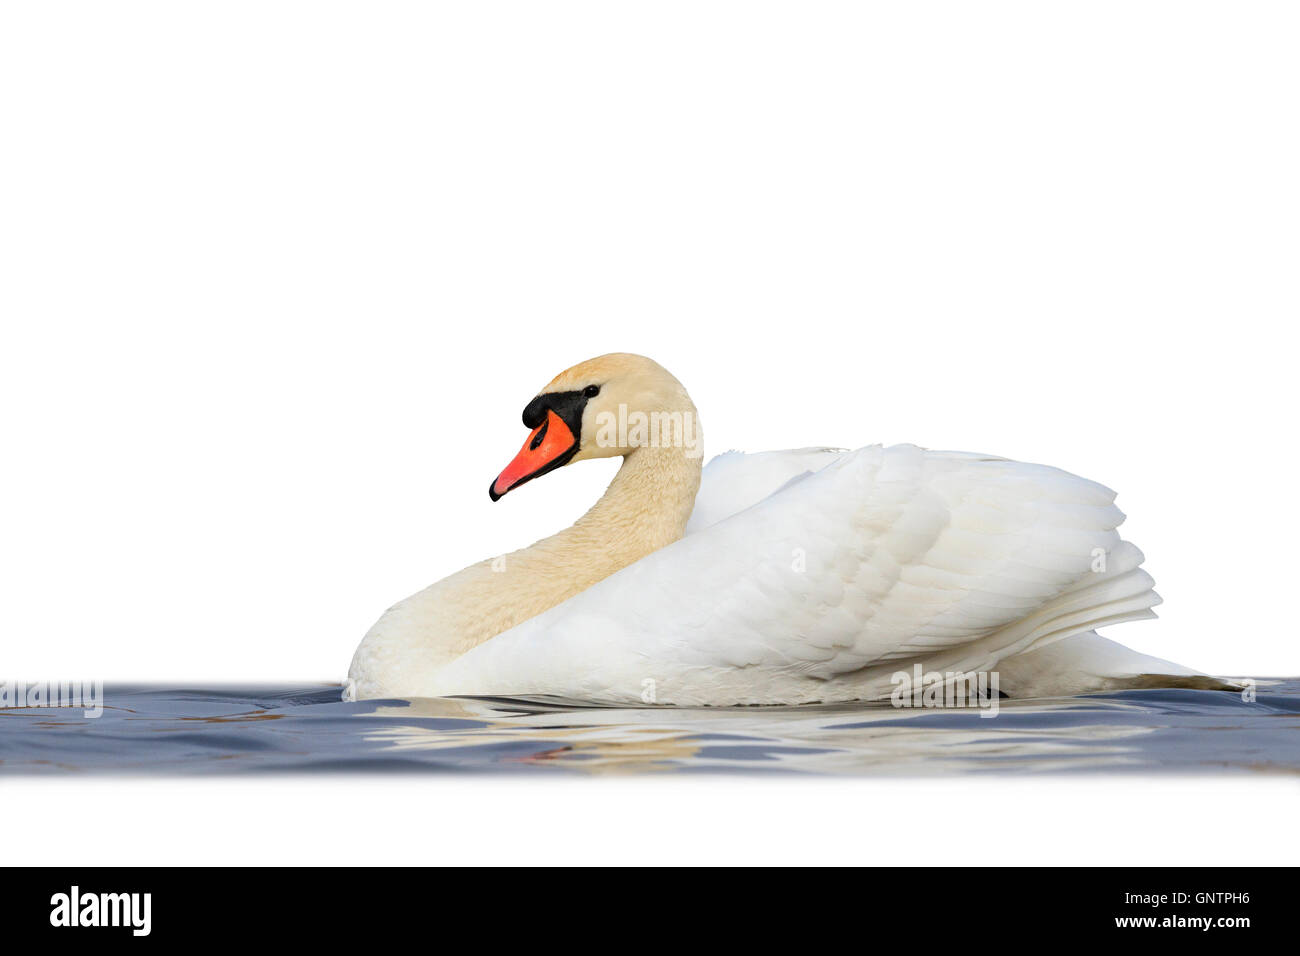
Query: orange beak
551,444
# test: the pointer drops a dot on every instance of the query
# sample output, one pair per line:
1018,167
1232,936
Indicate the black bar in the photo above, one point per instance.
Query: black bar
886,904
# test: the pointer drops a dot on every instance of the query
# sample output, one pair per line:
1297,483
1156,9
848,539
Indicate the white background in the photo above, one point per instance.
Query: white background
278,279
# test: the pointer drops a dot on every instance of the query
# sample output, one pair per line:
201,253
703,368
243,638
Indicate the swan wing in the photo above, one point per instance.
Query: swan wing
879,558
733,481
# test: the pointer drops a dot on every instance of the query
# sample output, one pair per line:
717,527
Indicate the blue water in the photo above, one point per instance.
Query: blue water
307,728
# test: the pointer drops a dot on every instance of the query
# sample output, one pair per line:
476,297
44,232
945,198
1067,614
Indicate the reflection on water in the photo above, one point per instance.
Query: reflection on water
308,728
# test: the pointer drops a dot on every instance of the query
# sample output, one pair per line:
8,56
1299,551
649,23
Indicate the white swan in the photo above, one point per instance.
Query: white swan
790,577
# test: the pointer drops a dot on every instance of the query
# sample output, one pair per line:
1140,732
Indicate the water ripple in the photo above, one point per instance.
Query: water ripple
307,728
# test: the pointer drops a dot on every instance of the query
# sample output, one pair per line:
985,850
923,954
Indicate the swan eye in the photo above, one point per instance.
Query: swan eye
591,391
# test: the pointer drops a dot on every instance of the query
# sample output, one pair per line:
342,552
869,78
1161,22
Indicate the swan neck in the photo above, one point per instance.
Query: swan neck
648,503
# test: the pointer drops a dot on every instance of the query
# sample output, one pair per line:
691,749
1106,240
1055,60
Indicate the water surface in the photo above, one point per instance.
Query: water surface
307,728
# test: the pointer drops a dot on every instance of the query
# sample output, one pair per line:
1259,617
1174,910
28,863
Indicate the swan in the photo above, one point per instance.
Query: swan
786,577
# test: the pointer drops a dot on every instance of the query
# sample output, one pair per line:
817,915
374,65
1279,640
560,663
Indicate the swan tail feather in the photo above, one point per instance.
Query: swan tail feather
1089,663
1118,590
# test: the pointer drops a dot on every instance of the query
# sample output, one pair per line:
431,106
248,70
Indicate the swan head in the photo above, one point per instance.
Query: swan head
606,406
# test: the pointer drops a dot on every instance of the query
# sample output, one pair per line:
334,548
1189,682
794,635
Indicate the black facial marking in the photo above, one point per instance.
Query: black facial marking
535,412
568,405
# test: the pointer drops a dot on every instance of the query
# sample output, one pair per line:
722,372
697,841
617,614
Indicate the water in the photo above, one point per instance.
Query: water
307,728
